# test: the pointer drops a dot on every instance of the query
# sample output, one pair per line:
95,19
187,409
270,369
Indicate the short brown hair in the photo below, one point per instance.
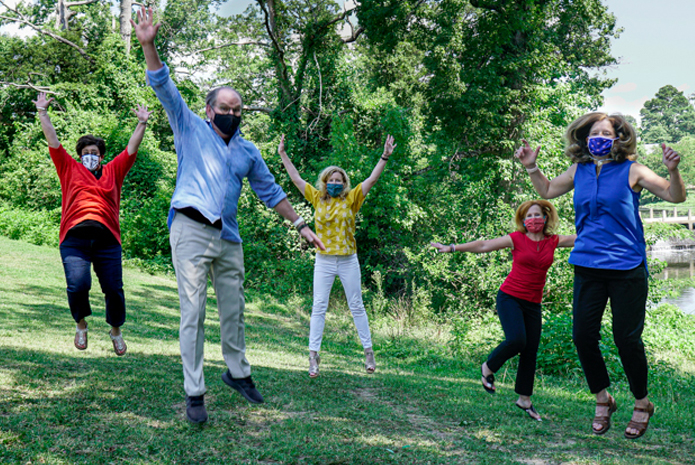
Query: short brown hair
577,132
89,139
551,217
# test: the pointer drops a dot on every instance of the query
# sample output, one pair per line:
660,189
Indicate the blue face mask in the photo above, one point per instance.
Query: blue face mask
600,146
334,190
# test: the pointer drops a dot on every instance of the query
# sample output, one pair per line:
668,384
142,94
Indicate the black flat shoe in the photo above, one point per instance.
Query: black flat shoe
529,411
489,379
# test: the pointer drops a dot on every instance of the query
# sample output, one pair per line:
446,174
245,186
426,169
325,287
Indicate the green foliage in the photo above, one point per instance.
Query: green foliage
35,227
668,117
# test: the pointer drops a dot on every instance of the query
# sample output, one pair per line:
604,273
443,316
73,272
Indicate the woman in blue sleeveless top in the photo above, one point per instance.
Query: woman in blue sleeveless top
609,254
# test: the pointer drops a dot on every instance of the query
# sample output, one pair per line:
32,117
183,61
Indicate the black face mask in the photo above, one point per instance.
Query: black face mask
227,124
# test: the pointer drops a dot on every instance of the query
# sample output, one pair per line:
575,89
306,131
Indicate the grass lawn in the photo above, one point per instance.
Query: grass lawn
59,405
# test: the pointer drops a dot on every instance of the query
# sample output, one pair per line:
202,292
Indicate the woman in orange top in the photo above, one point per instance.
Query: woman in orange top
89,229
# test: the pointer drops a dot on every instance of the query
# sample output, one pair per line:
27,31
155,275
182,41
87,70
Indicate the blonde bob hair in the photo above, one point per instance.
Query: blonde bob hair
551,217
323,179
625,147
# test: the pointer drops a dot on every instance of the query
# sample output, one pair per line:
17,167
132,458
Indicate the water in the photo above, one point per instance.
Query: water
680,265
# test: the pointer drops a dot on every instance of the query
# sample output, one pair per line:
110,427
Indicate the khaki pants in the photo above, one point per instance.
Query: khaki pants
197,250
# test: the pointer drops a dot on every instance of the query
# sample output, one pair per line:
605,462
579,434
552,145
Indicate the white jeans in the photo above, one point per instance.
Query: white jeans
347,268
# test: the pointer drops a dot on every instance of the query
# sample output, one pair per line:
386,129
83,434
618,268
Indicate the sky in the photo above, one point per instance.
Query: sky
655,49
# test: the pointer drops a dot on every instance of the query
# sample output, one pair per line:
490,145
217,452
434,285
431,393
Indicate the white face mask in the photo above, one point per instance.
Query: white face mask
90,161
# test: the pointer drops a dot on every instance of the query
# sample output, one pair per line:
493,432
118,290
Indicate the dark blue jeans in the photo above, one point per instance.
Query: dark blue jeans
78,255
521,322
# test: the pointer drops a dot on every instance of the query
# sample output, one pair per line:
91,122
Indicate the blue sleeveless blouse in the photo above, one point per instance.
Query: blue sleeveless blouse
609,229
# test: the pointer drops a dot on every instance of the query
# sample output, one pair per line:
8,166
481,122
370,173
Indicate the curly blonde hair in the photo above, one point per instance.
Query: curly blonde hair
551,221
323,179
625,147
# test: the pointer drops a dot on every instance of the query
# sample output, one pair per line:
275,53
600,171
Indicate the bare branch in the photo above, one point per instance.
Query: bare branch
269,20
315,121
20,19
81,2
230,44
259,109
28,85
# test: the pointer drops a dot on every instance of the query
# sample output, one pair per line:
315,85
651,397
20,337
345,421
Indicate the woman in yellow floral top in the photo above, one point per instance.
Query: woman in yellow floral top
336,205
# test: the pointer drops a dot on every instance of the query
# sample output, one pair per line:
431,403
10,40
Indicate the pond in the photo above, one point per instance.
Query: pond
680,265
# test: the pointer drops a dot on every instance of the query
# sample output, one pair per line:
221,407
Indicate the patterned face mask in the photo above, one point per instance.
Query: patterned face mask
334,190
534,225
600,146
90,161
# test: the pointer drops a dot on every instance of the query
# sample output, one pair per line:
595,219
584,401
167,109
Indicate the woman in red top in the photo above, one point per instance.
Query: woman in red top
89,229
519,298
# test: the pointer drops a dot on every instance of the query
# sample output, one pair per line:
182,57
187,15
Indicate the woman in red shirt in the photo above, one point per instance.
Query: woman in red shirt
89,228
533,246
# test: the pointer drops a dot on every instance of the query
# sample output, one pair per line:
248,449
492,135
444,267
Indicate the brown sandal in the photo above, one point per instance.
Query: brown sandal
640,426
605,420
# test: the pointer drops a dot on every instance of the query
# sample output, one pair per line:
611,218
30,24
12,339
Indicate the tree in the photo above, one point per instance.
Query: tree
668,117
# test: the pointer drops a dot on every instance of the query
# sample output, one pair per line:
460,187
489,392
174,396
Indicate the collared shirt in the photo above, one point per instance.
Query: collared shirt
210,172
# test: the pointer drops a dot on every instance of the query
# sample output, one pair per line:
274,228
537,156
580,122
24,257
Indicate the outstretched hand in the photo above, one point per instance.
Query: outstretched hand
441,248
41,101
142,113
670,157
145,31
526,155
389,146
281,146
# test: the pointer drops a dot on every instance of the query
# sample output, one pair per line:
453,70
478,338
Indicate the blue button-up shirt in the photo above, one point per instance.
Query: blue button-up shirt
210,172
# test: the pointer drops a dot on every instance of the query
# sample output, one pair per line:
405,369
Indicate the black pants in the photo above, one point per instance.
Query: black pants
627,291
521,323
78,255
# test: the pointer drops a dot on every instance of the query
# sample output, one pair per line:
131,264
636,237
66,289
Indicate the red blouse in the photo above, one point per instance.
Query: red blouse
530,263
87,198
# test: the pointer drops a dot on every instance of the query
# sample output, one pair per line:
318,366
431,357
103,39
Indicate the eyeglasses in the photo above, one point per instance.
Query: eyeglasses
90,153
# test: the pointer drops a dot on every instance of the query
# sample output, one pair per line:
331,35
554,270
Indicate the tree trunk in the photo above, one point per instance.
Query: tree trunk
61,15
124,19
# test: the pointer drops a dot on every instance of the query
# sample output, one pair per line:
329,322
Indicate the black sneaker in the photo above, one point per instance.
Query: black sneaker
245,387
195,409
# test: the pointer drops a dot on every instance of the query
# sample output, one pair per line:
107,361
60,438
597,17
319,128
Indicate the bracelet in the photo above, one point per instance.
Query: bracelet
43,113
142,122
298,221
301,226
453,248
385,159
41,108
532,170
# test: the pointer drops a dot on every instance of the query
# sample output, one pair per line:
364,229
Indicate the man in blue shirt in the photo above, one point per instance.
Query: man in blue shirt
213,159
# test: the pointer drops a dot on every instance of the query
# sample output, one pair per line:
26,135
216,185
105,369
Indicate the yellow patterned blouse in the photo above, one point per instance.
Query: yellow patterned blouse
335,219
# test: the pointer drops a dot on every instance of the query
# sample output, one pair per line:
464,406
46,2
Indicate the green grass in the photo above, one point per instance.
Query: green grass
422,406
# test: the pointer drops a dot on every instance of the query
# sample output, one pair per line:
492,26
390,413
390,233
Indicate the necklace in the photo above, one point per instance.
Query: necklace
601,161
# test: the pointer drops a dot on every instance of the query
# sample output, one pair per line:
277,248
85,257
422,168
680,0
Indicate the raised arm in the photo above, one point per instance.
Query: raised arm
143,115
284,208
289,167
48,130
504,242
368,183
670,191
547,189
146,32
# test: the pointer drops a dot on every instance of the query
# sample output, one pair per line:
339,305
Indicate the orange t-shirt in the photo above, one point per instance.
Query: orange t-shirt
87,198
